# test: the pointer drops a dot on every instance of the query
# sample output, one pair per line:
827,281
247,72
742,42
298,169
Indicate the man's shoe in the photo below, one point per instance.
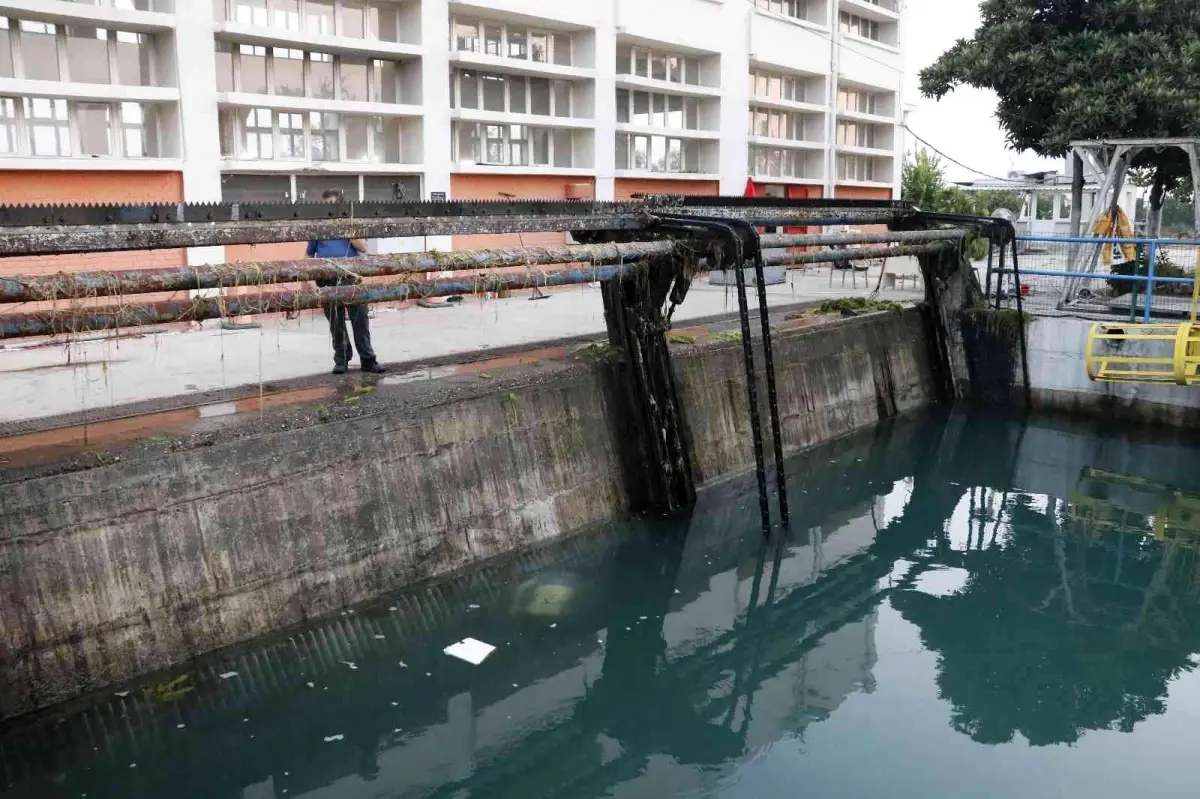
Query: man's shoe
374,368
339,369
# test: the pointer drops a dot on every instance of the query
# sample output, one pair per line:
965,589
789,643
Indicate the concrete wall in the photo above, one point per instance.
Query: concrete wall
1058,377
120,570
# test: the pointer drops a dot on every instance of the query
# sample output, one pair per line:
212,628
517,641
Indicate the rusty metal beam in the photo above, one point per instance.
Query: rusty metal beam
855,254
68,239
64,286
774,240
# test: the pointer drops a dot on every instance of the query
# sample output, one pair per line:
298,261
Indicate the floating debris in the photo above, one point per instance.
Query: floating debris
472,607
311,684
179,726
393,608
332,738
353,666
470,650
380,637
403,665
395,704
122,694
229,675
133,765
642,618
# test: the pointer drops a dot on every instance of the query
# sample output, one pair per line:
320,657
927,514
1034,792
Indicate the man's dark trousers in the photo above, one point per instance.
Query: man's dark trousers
336,313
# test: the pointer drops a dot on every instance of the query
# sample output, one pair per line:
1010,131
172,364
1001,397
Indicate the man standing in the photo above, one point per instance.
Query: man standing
337,312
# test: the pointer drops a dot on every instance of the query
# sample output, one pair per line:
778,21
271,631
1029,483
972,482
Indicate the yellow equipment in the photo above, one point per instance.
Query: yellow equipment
1146,353
1123,230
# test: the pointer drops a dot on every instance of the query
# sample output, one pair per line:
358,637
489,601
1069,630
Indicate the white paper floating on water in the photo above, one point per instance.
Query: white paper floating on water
472,607
403,665
179,726
393,608
642,618
122,694
133,765
379,637
228,675
470,650
310,685
353,666
395,704
552,626
332,738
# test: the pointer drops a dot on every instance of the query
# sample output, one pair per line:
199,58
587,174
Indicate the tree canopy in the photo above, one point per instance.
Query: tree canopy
924,185
1084,69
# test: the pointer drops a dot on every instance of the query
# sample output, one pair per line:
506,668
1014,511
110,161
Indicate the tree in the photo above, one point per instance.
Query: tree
1086,69
924,185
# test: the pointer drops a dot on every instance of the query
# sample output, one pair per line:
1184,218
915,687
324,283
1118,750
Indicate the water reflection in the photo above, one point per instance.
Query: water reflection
1049,568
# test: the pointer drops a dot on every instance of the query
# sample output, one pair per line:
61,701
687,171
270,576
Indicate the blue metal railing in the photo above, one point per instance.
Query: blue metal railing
1145,283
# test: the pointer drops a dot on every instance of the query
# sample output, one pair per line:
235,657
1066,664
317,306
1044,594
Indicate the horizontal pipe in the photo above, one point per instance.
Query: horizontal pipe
1095,276
855,254
772,240
80,320
1096,240
187,278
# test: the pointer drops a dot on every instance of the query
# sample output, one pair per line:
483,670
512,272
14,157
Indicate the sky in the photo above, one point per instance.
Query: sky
962,124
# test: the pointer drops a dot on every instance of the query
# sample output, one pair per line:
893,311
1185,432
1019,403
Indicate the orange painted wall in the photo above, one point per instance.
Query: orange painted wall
627,187
522,187
37,187
861,193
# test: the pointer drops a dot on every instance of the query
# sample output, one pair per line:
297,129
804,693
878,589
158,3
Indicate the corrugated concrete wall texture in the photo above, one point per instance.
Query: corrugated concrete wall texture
121,570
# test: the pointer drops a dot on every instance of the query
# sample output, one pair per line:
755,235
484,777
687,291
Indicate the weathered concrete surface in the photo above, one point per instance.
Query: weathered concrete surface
831,381
1059,381
137,565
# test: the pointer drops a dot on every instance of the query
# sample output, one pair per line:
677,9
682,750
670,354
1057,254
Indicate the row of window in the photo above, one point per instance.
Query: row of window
655,110
779,162
42,126
855,25
283,71
862,102
165,6
791,125
264,134
42,51
657,153
858,134
510,41
511,145
773,86
511,94
358,19
808,10
658,65
861,168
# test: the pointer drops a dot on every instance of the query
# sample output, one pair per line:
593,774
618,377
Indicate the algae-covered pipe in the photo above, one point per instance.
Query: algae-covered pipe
66,285
80,320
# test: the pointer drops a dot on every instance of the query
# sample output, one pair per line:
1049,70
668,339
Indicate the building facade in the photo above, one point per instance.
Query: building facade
211,100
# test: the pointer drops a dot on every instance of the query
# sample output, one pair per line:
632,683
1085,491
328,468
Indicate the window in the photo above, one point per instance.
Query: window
354,19
286,14
289,71
139,131
514,94
562,98
47,125
95,128
657,153
6,56
259,141
8,126
385,85
291,134
252,76
320,76
510,41
781,124
39,50
652,109
323,129
224,67
318,17
511,145
87,55
354,79
494,92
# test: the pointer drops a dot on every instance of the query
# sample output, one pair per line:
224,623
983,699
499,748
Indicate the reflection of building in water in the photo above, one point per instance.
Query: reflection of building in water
1106,502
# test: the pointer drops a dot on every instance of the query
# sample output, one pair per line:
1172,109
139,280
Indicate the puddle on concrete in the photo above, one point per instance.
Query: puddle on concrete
963,607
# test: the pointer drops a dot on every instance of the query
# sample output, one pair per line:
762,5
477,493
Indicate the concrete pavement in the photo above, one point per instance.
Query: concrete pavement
41,379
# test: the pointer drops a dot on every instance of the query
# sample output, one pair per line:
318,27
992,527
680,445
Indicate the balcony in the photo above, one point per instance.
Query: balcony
61,12
244,33
883,11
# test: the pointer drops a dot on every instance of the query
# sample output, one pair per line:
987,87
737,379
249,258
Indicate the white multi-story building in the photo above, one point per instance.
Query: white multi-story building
208,100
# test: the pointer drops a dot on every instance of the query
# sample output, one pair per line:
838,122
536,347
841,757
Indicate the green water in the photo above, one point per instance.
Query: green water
964,607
